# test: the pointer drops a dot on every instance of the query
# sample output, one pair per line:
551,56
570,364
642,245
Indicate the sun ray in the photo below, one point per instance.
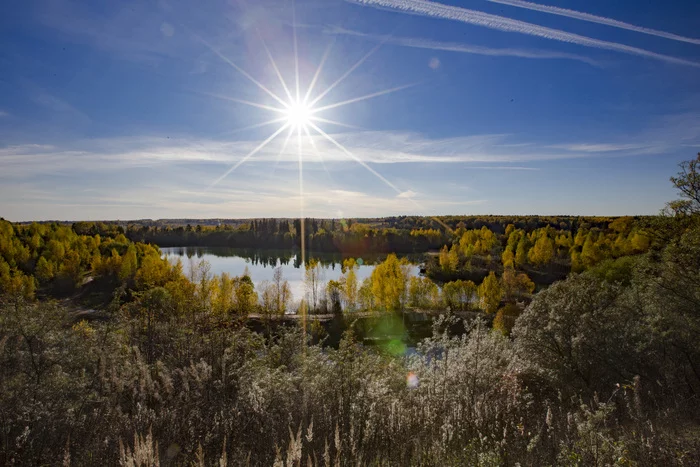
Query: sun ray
346,74
249,155
240,70
333,122
355,158
302,220
362,98
318,70
274,66
318,153
374,172
242,101
257,125
284,146
296,50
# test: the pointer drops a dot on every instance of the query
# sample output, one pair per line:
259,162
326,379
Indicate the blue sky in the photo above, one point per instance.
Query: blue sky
119,110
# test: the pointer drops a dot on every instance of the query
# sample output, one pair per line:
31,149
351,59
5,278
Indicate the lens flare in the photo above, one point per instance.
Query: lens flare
299,115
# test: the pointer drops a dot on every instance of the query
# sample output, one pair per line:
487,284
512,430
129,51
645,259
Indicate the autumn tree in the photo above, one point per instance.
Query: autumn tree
504,321
508,258
312,281
459,295
542,252
44,270
282,292
521,250
349,284
490,293
515,285
590,254
390,283
222,302
333,297
423,293
365,295
153,305
246,297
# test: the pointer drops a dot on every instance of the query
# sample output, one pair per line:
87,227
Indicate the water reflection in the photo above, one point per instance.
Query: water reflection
261,263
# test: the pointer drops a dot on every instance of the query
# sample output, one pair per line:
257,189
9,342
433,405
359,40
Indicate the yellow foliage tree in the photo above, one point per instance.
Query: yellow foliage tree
390,283
542,252
490,293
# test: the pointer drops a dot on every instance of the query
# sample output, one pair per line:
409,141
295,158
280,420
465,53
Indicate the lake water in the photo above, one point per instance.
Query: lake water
261,264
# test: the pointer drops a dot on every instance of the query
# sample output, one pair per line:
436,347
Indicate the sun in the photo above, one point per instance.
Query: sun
298,114
299,111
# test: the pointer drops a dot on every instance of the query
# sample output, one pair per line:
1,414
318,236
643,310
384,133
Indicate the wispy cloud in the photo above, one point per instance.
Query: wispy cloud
501,23
4,114
477,152
463,48
595,19
167,201
150,33
601,147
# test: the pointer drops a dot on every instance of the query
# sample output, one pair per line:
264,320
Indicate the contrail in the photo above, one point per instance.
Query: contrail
419,43
479,18
595,19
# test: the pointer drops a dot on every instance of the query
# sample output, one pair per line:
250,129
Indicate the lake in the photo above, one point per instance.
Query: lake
261,263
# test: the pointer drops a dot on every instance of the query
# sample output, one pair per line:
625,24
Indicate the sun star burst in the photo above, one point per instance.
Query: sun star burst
298,114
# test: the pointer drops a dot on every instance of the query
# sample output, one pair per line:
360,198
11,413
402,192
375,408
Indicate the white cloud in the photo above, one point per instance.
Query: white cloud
253,198
420,43
478,152
501,23
600,147
595,19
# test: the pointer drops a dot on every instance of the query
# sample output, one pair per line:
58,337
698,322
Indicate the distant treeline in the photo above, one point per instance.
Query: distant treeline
546,248
350,237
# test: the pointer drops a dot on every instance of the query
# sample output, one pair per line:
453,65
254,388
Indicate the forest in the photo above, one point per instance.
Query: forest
578,344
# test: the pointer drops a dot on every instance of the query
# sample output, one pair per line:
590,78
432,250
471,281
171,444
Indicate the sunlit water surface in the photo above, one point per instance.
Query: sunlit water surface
261,264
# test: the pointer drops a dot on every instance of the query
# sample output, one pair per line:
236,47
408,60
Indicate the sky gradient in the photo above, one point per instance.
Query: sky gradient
120,110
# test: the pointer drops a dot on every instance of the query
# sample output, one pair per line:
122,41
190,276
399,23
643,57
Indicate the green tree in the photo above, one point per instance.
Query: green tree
687,181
